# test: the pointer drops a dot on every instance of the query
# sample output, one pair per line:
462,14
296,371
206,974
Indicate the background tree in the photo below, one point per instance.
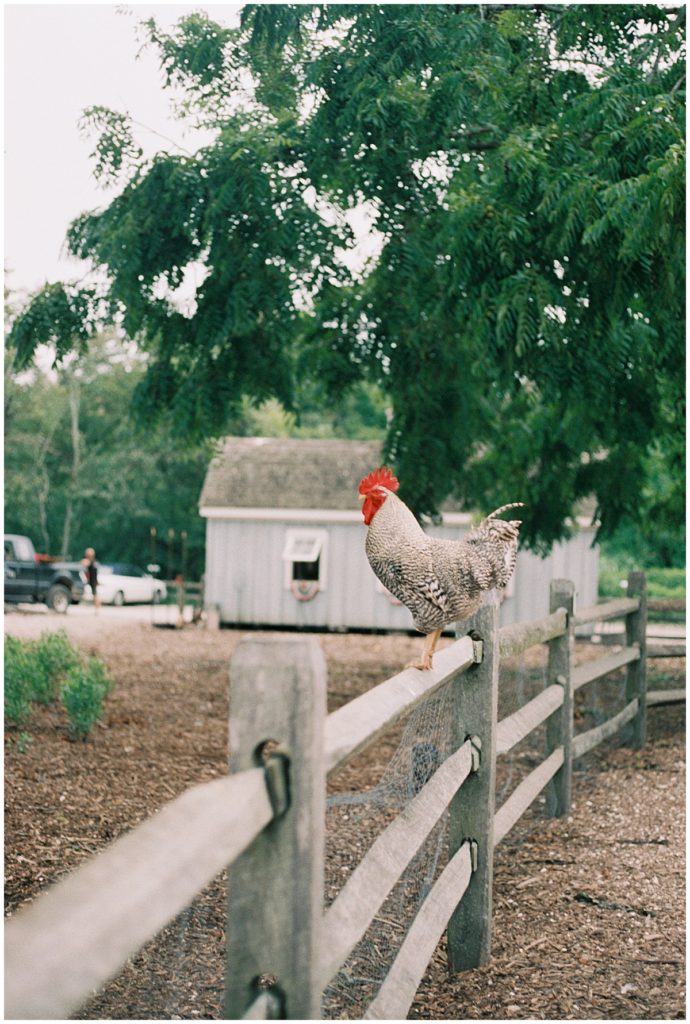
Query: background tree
524,167
78,472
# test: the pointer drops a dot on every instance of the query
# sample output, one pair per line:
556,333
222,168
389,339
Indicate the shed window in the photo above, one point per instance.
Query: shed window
304,559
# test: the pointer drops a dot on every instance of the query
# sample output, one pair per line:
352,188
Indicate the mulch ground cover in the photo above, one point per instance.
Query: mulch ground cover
588,910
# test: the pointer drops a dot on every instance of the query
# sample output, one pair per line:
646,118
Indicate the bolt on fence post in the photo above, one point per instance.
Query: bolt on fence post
635,734
275,888
472,808
559,725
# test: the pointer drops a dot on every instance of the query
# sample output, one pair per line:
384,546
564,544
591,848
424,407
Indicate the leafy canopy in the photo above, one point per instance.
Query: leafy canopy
524,168
78,473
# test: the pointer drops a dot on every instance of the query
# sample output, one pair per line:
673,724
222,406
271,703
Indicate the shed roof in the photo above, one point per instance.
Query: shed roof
262,472
301,473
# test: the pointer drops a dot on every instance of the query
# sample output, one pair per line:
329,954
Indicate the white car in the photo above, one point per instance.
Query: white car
121,583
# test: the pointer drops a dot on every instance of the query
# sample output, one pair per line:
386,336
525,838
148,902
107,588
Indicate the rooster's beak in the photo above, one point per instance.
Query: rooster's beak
362,497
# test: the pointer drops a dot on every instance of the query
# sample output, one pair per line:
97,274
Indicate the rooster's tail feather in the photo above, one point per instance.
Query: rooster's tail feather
503,508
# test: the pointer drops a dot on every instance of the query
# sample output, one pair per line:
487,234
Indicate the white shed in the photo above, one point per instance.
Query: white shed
285,541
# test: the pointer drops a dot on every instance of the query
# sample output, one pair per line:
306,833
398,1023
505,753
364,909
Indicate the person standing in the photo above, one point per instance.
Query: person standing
91,572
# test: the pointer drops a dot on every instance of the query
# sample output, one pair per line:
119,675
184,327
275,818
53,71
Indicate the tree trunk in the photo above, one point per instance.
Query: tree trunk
73,487
42,493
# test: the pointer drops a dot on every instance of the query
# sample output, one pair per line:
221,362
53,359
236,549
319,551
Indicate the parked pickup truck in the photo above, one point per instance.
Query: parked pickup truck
32,578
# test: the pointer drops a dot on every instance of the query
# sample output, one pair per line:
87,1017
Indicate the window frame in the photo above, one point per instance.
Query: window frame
319,547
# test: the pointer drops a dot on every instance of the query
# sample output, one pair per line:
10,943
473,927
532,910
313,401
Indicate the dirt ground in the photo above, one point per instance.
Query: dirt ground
588,910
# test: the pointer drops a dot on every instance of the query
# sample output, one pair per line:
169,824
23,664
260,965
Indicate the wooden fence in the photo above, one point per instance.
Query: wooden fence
266,821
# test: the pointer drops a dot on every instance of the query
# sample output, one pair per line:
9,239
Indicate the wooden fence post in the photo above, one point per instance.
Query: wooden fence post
635,734
275,889
559,725
472,808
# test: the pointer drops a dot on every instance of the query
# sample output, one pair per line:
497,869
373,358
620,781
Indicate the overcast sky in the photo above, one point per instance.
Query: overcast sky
59,59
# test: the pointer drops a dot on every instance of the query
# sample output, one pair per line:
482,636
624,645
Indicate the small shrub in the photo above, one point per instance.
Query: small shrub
34,669
19,669
83,692
99,675
661,583
666,583
56,656
40,671
23,741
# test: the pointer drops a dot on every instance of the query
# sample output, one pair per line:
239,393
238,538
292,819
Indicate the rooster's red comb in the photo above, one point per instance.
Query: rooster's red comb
382,477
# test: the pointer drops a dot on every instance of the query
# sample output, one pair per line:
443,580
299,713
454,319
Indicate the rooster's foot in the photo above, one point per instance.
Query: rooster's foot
430,641
423,665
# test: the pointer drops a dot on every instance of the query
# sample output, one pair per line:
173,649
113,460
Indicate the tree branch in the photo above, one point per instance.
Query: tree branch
678,84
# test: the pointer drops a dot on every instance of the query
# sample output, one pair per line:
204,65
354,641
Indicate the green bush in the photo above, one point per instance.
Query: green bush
83,692
661,583
42,687
611,574
56,656
40,671
34,669
18,683
666,583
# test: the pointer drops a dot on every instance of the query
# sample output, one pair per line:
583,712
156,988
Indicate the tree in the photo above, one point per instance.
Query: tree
524,166
78,472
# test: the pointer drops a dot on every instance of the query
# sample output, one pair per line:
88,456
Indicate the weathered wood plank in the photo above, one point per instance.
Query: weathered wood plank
665,696
586,741
475,706
657,646
524,794
598,667
356,724
521,723
402,981
666,604
519,637
615,609
635,735
350,915
677,650
275,889
559,727
80,932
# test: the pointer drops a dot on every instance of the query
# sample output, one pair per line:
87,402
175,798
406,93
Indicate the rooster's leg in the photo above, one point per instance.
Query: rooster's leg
430,641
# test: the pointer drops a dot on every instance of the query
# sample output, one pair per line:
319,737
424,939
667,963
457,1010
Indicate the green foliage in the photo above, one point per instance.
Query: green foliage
666,583
22,742
116,151
129,479
35,669
40,683
19,669
83,692
524,168
661,582
358,414
40,671
55,656
59,316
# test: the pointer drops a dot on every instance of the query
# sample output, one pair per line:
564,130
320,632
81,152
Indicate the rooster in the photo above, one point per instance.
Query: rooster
440,581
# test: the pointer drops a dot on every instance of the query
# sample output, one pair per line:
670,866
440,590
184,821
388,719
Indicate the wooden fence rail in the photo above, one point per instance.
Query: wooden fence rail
81,931
265,822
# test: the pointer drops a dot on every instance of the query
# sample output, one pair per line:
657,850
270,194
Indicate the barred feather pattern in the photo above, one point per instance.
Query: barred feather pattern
440,581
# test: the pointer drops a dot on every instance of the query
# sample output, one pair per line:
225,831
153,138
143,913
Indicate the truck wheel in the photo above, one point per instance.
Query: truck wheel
59,598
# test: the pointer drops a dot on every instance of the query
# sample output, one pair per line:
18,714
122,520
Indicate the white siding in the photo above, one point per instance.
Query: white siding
244,577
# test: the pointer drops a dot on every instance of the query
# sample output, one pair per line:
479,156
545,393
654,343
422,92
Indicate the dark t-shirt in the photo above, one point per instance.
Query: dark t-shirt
92,575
